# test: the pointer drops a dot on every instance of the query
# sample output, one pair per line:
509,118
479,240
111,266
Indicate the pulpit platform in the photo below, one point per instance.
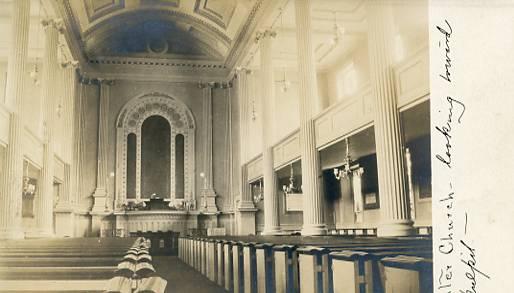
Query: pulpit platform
154,221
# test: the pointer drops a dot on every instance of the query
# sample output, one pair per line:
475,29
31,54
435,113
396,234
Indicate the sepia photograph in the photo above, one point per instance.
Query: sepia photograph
251,146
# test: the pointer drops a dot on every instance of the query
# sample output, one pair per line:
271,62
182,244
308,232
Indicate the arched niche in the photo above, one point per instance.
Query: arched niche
155,113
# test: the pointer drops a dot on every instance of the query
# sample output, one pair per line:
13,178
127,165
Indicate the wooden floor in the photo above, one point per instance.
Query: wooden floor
183,278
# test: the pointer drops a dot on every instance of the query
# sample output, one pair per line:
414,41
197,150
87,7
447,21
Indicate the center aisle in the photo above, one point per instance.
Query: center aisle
181,277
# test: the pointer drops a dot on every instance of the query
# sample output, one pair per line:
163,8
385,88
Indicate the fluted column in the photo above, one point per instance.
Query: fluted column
245,208
271,215
101,195
81,203
246,201
12,175
394,205
208,193
314,222
44,200
68,83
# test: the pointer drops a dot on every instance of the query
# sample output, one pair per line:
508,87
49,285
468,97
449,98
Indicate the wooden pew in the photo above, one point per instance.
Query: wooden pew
211,260
264,266
316,270
404,274
228,265
238,267
359,272
286,268
220,257
249,267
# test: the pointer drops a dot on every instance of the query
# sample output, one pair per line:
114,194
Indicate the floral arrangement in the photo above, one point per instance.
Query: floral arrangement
134,206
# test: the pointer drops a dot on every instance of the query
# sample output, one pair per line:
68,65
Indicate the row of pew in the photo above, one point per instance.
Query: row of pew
312,264
135,273
60,265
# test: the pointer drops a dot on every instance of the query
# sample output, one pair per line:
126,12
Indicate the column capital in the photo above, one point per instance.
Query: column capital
70,63
215,84
56,23
208,84
84,78
243,70
104,81
268,33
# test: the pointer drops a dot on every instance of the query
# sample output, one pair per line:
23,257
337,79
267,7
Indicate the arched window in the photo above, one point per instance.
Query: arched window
131,165
155,151
179,166
155,157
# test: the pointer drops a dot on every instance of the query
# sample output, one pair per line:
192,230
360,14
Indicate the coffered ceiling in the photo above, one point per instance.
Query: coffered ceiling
176,29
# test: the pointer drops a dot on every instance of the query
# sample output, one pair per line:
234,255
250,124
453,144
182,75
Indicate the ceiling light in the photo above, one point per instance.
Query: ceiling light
284,83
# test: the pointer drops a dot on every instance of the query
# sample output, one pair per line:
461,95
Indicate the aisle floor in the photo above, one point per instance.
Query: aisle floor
183,278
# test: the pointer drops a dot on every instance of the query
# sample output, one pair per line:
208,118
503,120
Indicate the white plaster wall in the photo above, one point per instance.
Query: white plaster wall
353,67
287,116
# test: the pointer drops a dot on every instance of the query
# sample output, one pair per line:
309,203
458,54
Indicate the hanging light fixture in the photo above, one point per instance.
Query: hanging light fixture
34,73
338,32
346,170
284,83
254,112
291,187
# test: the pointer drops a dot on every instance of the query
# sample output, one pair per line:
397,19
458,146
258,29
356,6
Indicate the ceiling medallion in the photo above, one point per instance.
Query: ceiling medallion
157,46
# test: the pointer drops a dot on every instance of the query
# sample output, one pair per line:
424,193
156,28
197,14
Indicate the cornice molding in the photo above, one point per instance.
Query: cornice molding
243,37
156,62
72,32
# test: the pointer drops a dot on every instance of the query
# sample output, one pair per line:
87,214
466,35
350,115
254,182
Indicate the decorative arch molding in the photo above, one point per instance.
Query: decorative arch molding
130,121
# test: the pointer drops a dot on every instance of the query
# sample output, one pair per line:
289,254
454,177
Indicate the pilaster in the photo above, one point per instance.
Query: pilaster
101,196
81,200
208,194
246,201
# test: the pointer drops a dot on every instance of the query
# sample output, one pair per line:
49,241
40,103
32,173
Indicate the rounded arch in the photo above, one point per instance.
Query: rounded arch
135,111
130,122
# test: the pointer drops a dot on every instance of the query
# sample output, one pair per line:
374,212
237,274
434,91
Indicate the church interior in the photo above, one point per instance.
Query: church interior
215,145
